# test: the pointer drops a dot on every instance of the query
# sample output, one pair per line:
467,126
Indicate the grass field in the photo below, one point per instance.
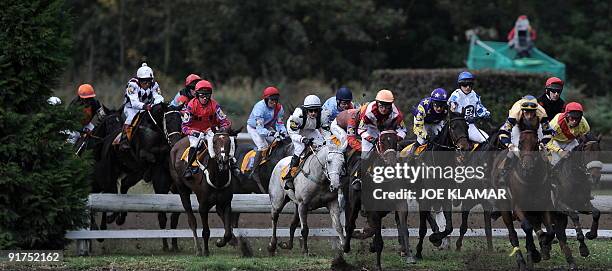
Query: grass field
147,255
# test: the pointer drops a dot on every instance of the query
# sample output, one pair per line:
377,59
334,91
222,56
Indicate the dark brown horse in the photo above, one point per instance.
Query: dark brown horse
530,190
572,194
451,145
212,185
384,154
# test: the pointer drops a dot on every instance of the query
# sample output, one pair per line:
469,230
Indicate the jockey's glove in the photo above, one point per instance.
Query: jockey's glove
307,141
195,134
272,133
147,107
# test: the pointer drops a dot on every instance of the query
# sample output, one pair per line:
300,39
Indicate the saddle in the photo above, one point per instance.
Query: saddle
130,130
404,152
285,169
249,158
202,153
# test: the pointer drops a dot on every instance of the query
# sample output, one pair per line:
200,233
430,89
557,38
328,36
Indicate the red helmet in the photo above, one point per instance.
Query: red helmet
190,78
204,86
573,106
269,91
554,82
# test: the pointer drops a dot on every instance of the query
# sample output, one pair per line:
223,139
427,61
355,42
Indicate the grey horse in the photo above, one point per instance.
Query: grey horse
316,185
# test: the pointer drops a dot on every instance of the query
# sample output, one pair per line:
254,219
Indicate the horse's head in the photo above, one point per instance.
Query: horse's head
172,125
386,146
458,129
528,144
590,148
223,147
334,163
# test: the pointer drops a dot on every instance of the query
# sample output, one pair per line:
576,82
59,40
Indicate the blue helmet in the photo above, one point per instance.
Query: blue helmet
439,95
344,94
465,77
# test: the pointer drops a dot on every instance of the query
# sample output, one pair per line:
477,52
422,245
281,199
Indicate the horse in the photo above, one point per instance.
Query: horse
212,185
279,149
453,137
530,191
384,154
147,159
572,194
316,185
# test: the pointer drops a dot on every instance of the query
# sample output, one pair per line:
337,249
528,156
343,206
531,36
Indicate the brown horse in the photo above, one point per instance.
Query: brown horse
385,154
453,138
212,185
572,195
530,191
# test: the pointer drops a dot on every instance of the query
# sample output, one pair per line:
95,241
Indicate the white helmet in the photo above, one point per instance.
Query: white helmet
144,72
312,102
54,100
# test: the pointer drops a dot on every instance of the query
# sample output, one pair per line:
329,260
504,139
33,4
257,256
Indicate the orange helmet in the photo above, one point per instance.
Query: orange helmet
385,95
86,91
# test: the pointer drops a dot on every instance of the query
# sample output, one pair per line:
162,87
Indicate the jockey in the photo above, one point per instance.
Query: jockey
551,99
265,121
93,112
465,101
378,116
348,121
525,108
304,129
141,93
187,93
522,36
429,116
334,105
201,116
568,126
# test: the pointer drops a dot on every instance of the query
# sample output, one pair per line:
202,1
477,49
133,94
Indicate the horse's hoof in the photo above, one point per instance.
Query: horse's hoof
220,242
199,253
120,220
572,267
418,256
175,249
165,248
100,240
591,235
584,250
410,260
285,245
271,249
206,253
536,256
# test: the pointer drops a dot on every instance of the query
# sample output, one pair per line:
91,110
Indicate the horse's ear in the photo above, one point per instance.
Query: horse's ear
233,132
599,136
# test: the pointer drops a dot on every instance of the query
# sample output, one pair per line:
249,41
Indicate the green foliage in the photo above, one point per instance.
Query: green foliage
44,185
498,89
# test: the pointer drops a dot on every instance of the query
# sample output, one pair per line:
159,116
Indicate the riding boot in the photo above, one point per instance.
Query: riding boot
124,142
190,169
294,165
506,168
256,161
412,151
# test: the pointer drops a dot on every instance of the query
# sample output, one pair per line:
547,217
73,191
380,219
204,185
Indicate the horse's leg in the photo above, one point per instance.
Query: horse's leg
592,233
277,207
488,229
162,220
422,232
403,231
334,213
174,218
533,256
193,224
546,242
584,250
204,209
294,223
126,184
542,237
375,221
303,212
514,241
463,228
225,213
559,226
352,214
235,219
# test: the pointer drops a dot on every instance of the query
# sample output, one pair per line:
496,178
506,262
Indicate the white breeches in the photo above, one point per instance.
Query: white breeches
260,141
298,146
475,134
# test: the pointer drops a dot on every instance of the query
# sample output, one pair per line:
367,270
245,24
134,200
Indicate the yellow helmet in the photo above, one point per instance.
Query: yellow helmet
529,103
385,95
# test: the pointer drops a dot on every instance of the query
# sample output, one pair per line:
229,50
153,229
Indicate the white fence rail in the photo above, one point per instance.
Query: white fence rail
244,203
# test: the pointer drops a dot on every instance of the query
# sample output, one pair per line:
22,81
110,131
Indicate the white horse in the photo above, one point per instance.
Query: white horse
316,185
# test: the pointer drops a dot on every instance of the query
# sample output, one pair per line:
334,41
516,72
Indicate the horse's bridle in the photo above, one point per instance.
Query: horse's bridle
168,135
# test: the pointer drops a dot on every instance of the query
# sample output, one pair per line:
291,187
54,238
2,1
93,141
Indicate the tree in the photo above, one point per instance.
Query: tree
43,184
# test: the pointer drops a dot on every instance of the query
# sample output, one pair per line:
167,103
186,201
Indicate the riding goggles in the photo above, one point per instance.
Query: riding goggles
466,84
529,106
385,105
